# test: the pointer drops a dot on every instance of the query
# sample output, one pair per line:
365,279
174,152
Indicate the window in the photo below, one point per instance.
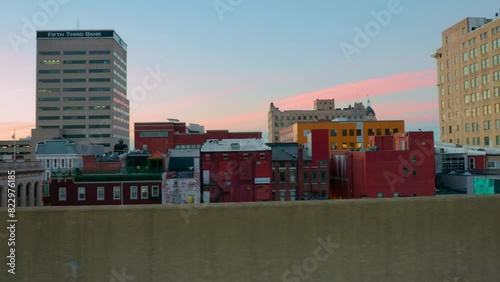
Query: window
100,193
314,177
323,177
50,62
144,192
133,192
99,89
74,52
81,193
351,132
472,163
282,176
72,80
292,176
153,134
99,70
50,53
322,163
306,177
99,61
155,191
75,71
99,79
379,131
100,98
116,193
74,62
99,52
74,89
49,71
344,132
333,132
62,194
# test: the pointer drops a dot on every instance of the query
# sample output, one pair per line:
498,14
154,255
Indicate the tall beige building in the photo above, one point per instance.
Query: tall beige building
324,109
81,84
469,83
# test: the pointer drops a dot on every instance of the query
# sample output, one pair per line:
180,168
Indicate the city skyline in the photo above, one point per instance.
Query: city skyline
223,66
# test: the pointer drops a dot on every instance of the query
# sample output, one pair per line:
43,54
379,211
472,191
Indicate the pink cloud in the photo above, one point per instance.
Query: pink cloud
386,85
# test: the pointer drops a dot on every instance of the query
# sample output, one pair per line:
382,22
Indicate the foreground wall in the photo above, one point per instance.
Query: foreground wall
431,239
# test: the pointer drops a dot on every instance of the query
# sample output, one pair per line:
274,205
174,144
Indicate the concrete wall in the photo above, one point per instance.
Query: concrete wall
439,239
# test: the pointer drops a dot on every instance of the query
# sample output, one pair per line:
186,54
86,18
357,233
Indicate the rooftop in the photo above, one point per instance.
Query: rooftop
226,145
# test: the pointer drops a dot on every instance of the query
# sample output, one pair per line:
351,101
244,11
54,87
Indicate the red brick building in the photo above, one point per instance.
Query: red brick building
105,190
237,170
161,136
406,169
316,169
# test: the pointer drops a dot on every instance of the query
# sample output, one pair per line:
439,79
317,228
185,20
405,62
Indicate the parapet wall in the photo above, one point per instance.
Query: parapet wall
432,239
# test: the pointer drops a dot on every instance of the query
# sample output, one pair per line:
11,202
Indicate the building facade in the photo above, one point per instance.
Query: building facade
343,135
468,65
324,109
163,136
181,183
23,150
406,170
24,179
81,86
236,170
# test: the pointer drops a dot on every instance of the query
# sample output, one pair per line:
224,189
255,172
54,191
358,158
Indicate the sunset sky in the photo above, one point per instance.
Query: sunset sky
226,66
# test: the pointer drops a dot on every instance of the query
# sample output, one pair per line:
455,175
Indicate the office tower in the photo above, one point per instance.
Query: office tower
469,83
82,86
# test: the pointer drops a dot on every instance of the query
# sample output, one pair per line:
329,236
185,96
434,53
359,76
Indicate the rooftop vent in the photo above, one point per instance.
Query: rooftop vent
235,146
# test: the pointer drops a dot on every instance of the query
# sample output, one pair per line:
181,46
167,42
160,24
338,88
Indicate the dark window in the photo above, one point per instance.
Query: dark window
323,177
99,89
74,62
358,132
306,177
99,70
74,117
75,71
49,71
351,132
395,130
49,53
55,80
100,98
74,80
74,89
379,131
282,176
99,52
99,61
333,132
370,132
387,131
344,132
74,52
99,79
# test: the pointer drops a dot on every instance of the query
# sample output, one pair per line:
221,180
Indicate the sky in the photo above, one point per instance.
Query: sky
221,63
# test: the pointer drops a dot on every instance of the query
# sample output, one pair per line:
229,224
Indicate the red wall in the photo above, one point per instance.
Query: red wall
162,144
236,175
91,193
365,174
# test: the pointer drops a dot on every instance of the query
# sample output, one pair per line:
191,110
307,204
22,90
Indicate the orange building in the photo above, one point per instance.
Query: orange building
343,135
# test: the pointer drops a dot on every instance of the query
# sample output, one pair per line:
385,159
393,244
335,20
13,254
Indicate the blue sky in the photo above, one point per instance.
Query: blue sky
224,70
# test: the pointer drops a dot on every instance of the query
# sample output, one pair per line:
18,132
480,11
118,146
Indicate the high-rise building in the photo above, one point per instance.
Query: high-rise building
81,86
324,109
468,66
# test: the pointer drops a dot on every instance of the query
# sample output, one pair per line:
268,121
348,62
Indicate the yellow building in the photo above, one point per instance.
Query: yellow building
344,135
468,66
